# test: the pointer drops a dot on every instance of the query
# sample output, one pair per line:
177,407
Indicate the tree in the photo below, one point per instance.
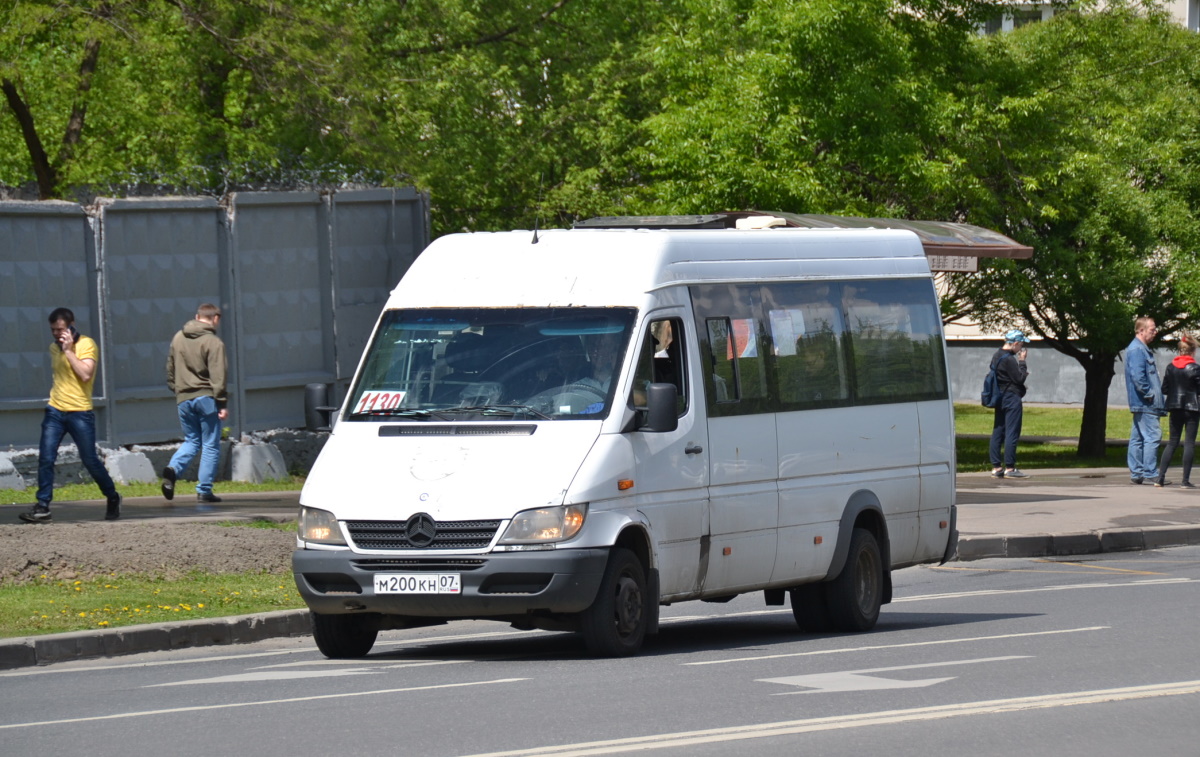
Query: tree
185,92
1082,136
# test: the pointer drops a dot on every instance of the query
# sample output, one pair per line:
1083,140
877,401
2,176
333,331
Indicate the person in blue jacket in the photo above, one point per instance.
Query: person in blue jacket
1145,395
1011,372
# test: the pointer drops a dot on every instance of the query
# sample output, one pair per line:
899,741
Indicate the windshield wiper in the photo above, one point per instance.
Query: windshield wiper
496,410
400,412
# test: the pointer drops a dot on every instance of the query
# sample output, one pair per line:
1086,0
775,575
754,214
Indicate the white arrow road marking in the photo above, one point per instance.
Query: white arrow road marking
840,722
203,708
856,680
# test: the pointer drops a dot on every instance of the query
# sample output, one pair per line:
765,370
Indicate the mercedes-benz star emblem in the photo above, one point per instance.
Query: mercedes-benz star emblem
420,530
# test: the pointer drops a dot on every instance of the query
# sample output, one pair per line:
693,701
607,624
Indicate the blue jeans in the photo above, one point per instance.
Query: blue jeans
81,425
1006,431
201,432
1143,446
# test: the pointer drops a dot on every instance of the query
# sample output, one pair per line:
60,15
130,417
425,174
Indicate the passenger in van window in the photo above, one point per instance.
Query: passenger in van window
1011,372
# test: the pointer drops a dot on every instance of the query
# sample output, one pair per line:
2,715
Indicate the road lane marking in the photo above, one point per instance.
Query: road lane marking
205,708
886,717
844,650
269,675
1035,590
1090,566
858,680
381,663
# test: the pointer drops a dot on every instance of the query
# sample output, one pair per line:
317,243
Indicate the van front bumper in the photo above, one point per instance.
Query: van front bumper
493,585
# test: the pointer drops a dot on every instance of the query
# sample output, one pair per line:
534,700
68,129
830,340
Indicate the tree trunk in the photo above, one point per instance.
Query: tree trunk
1098,374
47,177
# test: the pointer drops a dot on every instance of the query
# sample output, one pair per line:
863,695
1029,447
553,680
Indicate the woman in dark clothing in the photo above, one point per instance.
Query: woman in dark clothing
1181,391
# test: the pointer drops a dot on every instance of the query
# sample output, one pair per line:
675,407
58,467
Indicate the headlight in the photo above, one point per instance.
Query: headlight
546,524
319,527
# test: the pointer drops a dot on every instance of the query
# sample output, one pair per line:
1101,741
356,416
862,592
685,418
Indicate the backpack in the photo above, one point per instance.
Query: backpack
990,397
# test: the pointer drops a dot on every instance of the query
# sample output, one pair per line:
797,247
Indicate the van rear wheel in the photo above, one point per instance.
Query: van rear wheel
615,624
342,637
856,595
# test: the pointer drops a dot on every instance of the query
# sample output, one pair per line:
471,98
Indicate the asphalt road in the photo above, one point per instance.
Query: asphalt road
1077,656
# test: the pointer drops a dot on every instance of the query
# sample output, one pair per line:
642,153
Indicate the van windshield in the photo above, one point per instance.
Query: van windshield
471,364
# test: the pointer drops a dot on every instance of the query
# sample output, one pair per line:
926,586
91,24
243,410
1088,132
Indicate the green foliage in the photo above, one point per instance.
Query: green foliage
1081,141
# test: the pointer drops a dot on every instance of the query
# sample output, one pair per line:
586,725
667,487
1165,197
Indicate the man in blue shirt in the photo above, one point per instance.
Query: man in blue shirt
1145,402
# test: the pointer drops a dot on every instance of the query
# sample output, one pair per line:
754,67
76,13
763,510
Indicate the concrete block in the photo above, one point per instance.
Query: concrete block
69,646
1076,544
258,462
1123,540
980,547
17,653
10,478
136,639
127,467
200,633
1170,536
1030,545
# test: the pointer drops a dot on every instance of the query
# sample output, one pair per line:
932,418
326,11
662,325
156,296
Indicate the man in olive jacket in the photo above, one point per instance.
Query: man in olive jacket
196,370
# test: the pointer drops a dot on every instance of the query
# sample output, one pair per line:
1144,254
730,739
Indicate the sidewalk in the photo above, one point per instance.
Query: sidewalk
1057,512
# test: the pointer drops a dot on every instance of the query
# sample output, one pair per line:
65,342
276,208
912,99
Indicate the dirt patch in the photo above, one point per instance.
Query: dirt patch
81,551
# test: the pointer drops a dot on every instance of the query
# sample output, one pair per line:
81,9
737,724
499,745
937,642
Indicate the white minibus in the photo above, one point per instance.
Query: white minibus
568,429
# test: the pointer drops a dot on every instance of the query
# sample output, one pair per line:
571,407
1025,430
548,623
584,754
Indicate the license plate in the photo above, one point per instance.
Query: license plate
418,583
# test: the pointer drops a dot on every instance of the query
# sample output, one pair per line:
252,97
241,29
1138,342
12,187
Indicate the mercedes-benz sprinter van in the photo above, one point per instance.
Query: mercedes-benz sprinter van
567,429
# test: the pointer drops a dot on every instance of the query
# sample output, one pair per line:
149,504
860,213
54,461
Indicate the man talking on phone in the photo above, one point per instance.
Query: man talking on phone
1009,362
69,411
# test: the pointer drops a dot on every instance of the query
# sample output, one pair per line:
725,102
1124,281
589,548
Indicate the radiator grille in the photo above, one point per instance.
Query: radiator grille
450,534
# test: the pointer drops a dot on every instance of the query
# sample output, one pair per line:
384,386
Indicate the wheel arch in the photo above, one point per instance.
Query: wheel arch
863,510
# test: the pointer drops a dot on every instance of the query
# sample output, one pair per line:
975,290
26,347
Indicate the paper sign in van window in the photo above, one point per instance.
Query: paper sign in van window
379,401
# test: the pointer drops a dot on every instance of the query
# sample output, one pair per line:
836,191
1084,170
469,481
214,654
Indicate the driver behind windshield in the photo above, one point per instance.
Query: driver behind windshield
601,352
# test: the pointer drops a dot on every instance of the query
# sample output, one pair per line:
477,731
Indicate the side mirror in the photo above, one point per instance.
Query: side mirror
317,411
661,415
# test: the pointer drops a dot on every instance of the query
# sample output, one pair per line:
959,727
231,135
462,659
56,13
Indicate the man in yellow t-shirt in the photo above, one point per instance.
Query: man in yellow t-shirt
73,360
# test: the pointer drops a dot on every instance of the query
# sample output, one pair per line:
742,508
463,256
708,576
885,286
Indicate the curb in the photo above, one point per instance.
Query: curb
1081,543
26,651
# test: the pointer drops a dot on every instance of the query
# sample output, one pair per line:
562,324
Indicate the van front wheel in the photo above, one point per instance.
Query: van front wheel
342,637
615,624
855,596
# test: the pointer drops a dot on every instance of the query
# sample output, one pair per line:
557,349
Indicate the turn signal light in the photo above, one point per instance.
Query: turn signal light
624,483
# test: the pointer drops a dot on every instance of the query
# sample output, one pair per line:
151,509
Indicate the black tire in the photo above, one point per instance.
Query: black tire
342,637
810,608
855,596
615,624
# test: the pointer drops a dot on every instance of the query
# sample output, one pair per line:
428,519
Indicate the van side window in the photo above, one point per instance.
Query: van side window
807,332
895,341
661,361
730,323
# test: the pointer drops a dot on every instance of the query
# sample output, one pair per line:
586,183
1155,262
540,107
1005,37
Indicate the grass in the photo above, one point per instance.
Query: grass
57,606
1040,421
1057,422
83,492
